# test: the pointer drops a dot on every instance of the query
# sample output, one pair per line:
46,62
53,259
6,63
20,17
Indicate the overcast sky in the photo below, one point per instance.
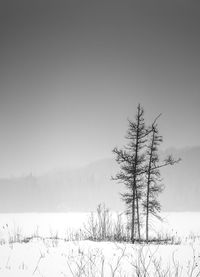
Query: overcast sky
72,72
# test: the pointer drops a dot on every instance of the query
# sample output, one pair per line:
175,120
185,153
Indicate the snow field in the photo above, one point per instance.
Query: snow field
85,258
47,253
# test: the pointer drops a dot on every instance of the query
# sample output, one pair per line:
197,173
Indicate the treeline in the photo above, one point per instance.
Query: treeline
140,165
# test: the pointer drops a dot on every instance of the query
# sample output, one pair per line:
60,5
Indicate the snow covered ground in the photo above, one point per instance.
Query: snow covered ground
178,224
52,257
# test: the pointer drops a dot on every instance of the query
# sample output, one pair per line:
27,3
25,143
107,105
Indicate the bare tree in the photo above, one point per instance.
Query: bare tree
153,178
131,160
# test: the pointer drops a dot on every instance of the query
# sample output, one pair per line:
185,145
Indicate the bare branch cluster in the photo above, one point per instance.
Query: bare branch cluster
140,165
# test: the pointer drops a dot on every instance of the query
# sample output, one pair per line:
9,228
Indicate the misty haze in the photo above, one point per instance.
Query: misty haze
99,138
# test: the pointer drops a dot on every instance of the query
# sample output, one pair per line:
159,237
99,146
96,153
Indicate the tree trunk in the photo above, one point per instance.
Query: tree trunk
147,224
133,218
138,216
148,186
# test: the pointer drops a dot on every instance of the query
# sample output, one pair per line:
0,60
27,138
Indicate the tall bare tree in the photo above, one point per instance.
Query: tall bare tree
131,160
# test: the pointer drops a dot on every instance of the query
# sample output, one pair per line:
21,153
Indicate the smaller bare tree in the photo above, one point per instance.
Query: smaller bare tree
154,185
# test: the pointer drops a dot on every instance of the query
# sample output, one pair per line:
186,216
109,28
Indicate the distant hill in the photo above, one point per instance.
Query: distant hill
83,188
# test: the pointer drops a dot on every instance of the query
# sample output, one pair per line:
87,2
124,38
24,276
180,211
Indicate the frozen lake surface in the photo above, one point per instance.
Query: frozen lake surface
175,223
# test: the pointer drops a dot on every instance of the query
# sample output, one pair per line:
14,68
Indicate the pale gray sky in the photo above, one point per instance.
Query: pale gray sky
72,72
